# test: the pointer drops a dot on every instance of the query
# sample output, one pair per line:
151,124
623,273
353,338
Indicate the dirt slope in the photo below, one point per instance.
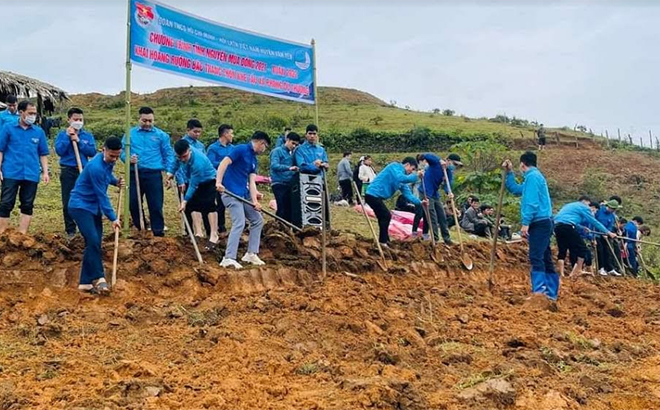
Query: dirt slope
425,336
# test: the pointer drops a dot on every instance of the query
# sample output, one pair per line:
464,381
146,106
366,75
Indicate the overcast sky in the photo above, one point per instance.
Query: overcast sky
558,62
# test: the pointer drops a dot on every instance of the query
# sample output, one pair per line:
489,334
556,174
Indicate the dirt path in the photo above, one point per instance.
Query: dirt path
425,336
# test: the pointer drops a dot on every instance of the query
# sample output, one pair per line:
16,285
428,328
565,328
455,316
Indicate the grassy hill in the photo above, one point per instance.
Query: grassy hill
341,112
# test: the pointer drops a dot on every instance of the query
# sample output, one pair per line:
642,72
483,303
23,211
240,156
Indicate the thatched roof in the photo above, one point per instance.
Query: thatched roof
26,87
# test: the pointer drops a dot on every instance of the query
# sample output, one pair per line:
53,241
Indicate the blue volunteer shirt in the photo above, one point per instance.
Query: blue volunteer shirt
198,169
306,154
607,218
91,190
64,148
281,159
21,149
577,213
194,144
535,204
7,117
280,141
434,177
630,230
217,152
391,179
243,163
152,148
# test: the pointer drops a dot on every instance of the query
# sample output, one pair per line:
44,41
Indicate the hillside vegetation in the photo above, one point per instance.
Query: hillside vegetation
345,115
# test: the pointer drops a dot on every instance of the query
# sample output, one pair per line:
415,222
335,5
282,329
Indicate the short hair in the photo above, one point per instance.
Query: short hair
594,204
287,129
224,128
112,143
145,110
261,136
194,123
485,207
528,158
23,105
293,136
623,221
11,99
181,146
366,157
646,231
584,198
410,161
73,110
347,153
639,220
616,198
475,199
311,127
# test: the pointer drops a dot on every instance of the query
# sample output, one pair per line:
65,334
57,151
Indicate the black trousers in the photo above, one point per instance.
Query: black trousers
203,201
605,257
284,196
68,178
26,192
383,215
346,190
568,239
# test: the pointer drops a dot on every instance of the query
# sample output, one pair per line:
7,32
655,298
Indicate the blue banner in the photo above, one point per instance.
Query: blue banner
167,39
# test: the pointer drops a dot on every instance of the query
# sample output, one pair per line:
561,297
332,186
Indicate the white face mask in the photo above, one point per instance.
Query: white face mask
31,119
77,125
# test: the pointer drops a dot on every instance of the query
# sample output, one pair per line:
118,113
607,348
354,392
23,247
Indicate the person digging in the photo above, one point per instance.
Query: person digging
567,222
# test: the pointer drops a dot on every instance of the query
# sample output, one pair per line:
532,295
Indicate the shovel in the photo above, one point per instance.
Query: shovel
496,234
465,258
139,197
427,211
116,254
190,232
77,153
272,215
382,262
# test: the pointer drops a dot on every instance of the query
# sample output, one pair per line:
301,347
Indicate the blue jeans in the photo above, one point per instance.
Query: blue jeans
544,278
238,212
151,187
91,228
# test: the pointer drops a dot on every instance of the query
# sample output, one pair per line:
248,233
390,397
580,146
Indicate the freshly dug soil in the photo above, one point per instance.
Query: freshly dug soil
424,335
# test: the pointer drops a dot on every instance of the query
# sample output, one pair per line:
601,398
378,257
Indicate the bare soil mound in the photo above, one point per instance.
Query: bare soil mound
424,335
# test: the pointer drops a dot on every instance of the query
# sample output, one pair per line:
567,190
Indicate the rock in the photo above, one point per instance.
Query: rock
373,329
43,320
46,293
596,343
464,319
152,391
498,391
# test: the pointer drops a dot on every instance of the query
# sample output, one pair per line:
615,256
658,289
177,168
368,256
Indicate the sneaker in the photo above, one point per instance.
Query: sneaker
449,242
426,237
602,272
101,286
230,263
614,273
253,259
